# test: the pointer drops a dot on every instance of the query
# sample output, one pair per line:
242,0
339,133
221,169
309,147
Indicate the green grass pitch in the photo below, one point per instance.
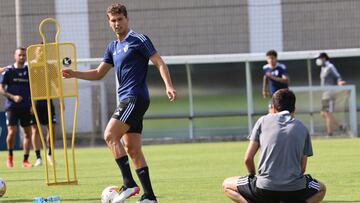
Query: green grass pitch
183,173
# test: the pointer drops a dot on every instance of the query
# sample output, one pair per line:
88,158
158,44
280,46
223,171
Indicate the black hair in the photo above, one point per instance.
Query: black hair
284,100
116,8
271,53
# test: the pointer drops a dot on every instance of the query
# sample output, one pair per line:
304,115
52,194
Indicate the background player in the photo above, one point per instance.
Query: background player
42,110
15,87
285,145
275,75
129,54
329,76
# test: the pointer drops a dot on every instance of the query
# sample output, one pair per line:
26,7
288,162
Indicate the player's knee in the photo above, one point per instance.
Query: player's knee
133,152
226,183
11,133
27,135
322,188
109,138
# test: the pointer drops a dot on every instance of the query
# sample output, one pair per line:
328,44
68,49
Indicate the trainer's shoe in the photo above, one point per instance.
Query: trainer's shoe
9,162
126,193
38,162
49,160
26,164
144,199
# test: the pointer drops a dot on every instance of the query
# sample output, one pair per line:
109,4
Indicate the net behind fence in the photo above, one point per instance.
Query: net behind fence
336,100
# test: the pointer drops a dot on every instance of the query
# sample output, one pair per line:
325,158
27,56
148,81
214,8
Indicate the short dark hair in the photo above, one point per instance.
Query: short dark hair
271,53
20,48
116,8
284,100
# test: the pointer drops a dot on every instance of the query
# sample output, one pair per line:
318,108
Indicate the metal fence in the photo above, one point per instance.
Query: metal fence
220,95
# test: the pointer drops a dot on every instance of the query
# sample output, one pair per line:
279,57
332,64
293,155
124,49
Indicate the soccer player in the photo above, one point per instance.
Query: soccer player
14,85
42,110
129,54
275,75
285,146
329,76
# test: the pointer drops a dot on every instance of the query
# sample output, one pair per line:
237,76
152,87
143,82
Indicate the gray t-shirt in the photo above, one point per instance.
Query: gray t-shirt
329,76
283,142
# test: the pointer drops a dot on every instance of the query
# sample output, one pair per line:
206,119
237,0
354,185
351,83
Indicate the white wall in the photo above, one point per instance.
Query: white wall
74,22
265,23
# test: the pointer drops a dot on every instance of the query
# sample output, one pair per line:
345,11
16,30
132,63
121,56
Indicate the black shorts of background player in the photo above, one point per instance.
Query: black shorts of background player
42,112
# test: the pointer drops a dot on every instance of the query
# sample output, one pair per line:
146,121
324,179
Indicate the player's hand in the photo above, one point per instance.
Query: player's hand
68,73
341,82
3,69
268,74
17,98
171,93
265,94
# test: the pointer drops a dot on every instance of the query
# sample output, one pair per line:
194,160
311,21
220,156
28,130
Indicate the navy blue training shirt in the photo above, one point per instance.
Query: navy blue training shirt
278,71
130,58
17,82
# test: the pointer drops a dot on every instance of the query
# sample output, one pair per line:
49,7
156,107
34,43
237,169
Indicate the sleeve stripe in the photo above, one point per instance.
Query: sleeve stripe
144,40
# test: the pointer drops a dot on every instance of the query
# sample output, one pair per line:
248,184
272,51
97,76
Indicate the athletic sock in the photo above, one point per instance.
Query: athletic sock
123,163
144,177
37,152
26,157
10,152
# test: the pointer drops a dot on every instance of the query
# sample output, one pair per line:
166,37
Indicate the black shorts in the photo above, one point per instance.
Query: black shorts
24,115
328,105
247,188
42,111
131,111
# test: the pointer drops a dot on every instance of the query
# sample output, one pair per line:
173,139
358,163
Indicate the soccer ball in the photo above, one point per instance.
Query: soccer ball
2,187
109,194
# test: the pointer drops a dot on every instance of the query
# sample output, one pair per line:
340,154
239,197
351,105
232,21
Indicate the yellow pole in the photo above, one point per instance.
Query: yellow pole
47,86
61,93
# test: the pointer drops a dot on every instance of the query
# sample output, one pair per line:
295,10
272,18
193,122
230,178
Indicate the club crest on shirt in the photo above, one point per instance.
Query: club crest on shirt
275,73
126,48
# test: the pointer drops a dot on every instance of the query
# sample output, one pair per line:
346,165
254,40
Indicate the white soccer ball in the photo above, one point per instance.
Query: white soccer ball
2,187
109,193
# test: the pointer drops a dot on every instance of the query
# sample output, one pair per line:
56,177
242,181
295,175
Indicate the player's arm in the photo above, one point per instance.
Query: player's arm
92,74
303,164
335,72
15,98
3,69
282,79
265,91
165,75
249,157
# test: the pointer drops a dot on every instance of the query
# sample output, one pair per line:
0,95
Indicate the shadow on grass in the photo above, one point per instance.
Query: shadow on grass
343,201
81,200
15,200
69,200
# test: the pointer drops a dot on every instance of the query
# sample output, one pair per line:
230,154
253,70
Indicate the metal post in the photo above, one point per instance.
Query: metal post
353,112
191,101
104,109
18,23
311,96
249,95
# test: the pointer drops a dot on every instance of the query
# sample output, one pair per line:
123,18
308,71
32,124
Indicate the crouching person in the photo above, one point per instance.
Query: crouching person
285,145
